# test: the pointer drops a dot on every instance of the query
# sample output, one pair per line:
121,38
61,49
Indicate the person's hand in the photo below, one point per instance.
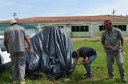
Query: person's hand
122,48
30,50
106,46
85,61
71,70
7,51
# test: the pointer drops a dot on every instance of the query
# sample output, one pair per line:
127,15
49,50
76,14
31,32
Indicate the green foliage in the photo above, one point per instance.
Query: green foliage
98,33
71,34
5,77
99,68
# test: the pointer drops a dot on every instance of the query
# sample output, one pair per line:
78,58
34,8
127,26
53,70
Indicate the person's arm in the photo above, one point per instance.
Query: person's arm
74,64
122,45
85,60
121,39
6,45
122,42
5,42
103,41
29,44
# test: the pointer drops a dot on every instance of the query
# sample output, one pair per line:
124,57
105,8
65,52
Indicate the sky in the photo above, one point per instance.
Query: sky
49,8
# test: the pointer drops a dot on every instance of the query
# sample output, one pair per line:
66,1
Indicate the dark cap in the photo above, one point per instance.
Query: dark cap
107,21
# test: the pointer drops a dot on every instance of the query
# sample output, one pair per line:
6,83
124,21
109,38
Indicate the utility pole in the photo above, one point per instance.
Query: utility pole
14,15
113,12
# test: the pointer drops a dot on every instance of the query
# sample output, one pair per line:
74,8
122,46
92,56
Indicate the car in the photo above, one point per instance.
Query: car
4,56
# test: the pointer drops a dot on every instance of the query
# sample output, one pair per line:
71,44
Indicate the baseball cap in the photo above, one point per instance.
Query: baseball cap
107,21
13,21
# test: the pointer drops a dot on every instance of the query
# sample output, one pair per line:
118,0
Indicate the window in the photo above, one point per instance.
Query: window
77,28
73,29
121,27
115,26
86,28
80,28
101,28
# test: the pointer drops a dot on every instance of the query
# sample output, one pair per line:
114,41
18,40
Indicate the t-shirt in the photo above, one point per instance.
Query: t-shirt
112,39
15,36
86,52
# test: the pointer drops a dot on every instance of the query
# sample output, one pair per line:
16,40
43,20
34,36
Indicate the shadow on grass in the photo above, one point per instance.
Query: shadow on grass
34,76
80,80
65,80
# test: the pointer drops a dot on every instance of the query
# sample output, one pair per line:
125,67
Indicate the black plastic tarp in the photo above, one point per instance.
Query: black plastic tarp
52,53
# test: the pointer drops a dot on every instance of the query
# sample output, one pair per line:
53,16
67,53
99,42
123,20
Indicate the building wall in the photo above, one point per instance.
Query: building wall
93,28
30,28
31,32
125,33
92,31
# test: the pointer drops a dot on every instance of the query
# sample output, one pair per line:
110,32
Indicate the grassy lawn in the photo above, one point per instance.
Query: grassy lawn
99,69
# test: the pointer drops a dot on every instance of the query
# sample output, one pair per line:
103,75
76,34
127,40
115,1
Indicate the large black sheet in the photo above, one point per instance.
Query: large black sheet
52,53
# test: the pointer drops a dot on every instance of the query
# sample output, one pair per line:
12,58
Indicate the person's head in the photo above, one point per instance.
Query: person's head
12,22
108,25
75,54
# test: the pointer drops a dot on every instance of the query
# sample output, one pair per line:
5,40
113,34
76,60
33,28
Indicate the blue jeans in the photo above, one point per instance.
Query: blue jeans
88,66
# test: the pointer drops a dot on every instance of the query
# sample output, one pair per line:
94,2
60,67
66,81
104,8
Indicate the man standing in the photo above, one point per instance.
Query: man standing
14,41
113,43
89,55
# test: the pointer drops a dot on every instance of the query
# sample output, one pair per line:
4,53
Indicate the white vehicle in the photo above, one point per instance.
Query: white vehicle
1,37
4,56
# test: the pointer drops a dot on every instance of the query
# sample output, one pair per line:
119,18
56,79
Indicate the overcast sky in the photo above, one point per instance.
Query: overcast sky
39,8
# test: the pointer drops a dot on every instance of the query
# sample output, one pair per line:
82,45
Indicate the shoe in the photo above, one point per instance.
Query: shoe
88,78
22,82
124,80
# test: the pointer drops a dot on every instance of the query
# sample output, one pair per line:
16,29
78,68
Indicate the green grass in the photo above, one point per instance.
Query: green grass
99,69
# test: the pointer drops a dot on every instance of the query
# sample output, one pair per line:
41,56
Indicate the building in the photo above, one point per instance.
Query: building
30,28
75,26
